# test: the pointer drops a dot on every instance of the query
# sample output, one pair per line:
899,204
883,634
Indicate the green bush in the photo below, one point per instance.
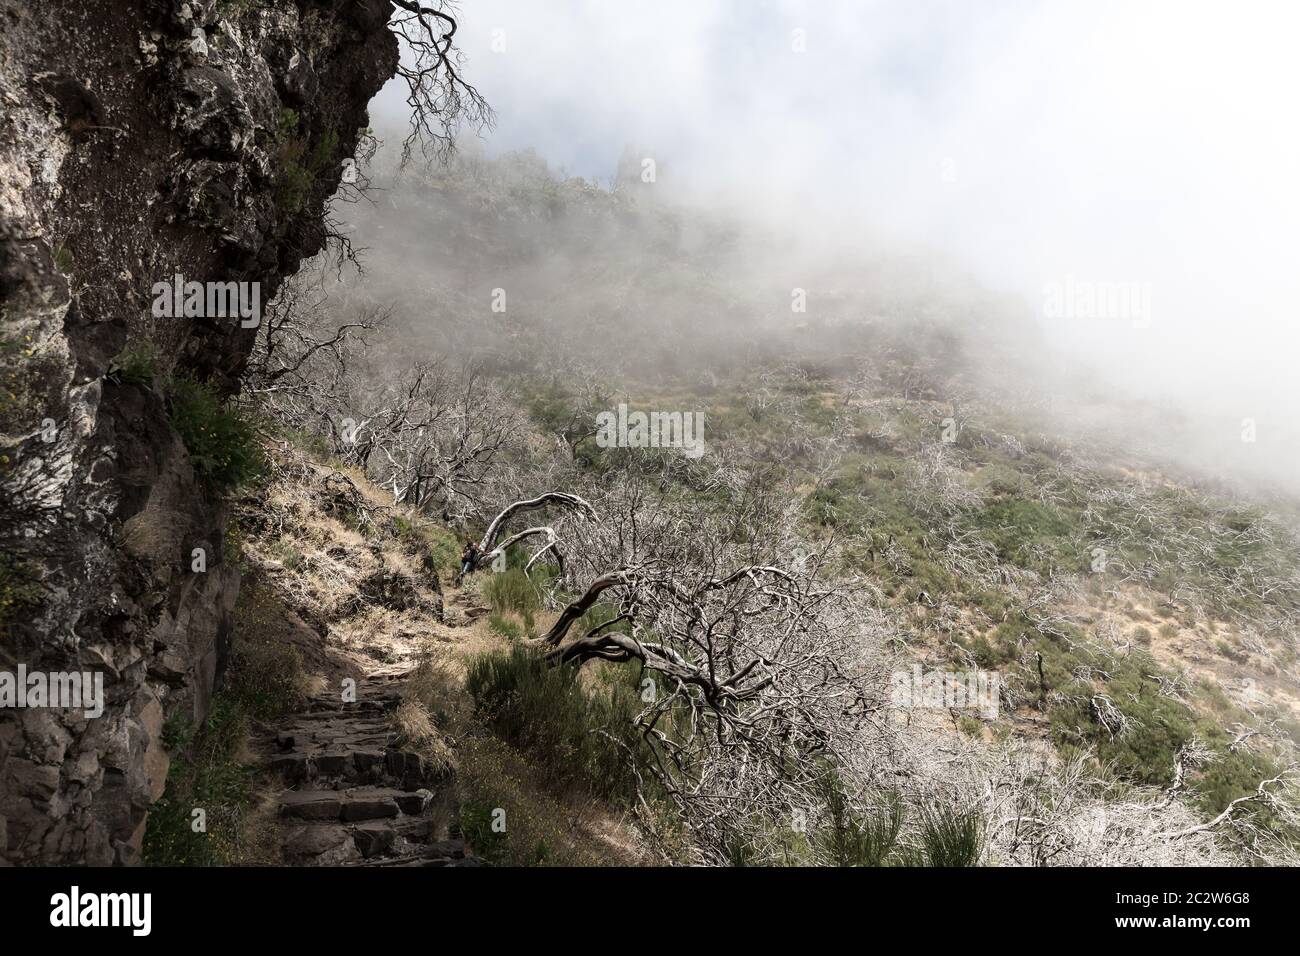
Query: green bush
299,165
512,591
19,589
584,739
64,260
265,675
436,544
206,774
264,679
495,783
313,444
1029,534
506,627
222,444
267,679
137,364
857,838
1160,726
475,819
949,836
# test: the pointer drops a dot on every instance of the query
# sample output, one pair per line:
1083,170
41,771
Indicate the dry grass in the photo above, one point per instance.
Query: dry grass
542,828
433,708
368,599
359,583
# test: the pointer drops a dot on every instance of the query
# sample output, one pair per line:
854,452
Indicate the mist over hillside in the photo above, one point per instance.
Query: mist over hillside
879,421
508,260
702,433
657,287
1031,147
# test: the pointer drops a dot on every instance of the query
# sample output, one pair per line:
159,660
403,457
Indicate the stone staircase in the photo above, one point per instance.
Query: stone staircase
354,795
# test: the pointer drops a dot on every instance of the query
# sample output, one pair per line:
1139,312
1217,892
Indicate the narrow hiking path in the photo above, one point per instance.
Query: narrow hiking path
355,791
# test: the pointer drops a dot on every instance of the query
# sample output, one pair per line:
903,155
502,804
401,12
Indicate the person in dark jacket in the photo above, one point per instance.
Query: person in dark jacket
468,559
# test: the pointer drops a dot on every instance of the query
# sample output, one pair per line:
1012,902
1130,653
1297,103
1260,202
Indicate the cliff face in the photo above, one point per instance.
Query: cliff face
139,139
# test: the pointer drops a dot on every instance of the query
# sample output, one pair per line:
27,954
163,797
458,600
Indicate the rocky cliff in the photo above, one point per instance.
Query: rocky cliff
139,140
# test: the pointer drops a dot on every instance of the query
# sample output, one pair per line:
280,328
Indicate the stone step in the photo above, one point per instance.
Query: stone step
371,842
441,853
296,738
357,797
375,704
374,838
320,845
335,769
354,804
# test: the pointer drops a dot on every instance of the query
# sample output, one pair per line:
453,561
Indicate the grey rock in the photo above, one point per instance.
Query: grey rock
190,187
319,845
312,805
373,838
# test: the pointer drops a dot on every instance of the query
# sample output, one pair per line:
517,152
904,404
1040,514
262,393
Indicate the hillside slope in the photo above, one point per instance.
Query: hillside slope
1141,618
345,733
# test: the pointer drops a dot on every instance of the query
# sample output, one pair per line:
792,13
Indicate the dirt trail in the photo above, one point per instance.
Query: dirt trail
355,793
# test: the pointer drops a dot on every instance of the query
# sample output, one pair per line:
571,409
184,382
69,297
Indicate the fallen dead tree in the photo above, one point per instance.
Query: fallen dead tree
755,682
490,548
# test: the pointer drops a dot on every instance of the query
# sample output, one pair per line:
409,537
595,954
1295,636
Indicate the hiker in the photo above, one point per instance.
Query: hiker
468,558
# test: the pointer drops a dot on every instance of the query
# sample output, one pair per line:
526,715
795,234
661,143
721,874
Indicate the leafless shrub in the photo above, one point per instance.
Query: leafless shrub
439,98
434,436
760,681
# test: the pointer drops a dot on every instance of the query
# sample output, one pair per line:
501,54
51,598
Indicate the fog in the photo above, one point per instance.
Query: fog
1145,152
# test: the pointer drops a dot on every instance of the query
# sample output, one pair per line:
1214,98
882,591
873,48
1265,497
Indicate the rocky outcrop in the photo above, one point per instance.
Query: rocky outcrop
139,140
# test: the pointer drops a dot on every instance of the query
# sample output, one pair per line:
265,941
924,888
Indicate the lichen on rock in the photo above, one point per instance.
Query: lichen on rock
139,139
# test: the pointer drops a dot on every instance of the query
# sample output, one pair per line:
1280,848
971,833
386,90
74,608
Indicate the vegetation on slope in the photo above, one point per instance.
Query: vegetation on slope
1123,606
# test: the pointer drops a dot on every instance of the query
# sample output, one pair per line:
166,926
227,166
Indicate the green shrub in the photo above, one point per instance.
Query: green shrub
949,836
970,726
435,543
221,442
531,704
1002,480
137,364
64,260
993,654
497,784
506,627
206,774
584,739
856,838
1160,725
289,556
1029,534
264,679
313,444
20,589
267,679
512,591
475,819
264,675
299,165
596,615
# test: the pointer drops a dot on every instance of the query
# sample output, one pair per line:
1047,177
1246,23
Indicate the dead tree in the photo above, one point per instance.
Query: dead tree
435,436
306,354
439,98
759,686
490,549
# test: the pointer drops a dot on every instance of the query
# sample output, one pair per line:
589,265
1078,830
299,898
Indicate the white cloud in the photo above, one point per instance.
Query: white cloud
1110,141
